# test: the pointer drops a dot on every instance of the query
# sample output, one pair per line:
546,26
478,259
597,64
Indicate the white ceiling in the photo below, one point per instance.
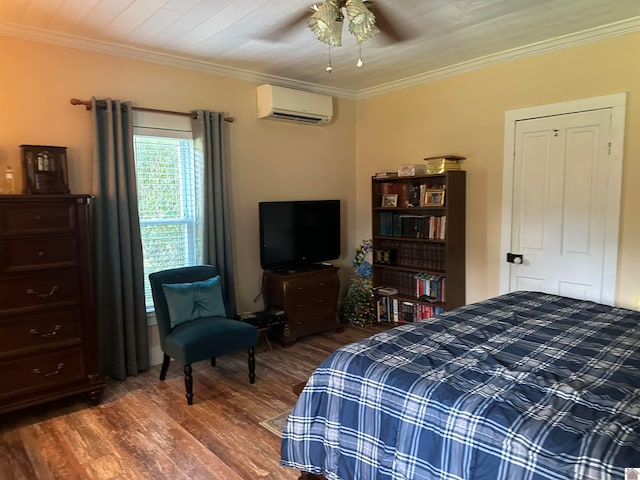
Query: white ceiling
260,40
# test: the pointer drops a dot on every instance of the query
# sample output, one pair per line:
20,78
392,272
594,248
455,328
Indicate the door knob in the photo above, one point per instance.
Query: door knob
515,258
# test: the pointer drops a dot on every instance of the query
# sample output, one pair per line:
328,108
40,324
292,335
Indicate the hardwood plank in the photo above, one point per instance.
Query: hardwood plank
14,459
145,429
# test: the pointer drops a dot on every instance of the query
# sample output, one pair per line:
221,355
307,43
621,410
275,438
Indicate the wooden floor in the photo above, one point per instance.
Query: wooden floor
144,429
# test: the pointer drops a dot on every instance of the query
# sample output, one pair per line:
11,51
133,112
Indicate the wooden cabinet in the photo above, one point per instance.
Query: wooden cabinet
309,299
419,243
48,338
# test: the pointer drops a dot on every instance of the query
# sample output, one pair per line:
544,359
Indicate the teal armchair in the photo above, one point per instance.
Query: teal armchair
192,322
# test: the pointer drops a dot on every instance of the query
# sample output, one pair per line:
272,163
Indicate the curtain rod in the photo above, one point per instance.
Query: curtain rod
87,104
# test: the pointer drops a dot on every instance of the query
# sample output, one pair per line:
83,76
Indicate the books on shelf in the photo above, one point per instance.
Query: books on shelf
428,287
413,255
386,174
393,224
389,309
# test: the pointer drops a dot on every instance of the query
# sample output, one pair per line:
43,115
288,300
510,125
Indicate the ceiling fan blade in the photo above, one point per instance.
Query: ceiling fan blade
294,23
385,24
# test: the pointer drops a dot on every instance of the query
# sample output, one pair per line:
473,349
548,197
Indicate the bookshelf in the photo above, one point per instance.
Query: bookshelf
419,244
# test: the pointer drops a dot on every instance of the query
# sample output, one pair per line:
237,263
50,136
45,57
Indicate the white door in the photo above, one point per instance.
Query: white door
561,195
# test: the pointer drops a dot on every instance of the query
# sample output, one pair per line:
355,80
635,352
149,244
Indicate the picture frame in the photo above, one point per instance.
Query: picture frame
390,200
434,197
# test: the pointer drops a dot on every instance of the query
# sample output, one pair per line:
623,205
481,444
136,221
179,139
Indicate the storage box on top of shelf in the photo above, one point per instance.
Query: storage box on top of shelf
411,170
442,163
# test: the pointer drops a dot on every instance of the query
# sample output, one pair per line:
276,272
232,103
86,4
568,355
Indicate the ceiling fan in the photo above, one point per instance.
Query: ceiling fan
383,20
365,19
328,18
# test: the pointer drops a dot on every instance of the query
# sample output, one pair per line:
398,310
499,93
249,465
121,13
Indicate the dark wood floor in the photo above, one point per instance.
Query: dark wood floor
143,429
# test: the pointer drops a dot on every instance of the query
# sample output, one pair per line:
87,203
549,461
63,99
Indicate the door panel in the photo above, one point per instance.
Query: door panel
558,216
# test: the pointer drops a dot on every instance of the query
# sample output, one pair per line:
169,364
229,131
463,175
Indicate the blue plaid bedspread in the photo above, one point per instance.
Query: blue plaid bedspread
524,386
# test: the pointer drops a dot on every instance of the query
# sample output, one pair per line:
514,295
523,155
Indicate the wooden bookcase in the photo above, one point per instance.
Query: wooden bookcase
419,247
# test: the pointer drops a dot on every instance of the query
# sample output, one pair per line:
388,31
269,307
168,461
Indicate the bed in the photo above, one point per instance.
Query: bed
523,386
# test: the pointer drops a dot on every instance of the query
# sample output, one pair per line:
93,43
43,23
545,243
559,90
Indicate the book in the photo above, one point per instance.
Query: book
386,174
387,291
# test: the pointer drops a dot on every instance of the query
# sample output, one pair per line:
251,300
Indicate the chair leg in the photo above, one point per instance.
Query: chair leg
213,361
165,366
252,365
188,383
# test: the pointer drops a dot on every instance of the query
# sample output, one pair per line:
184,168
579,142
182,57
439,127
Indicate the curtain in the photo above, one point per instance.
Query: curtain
208,135
118,267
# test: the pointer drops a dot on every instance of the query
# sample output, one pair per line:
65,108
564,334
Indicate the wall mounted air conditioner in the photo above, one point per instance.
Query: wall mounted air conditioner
282,103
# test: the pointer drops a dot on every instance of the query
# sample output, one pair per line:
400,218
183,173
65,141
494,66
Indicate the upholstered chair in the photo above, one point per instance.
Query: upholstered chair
193,323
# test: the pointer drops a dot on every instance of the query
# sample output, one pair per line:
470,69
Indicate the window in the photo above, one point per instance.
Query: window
169,200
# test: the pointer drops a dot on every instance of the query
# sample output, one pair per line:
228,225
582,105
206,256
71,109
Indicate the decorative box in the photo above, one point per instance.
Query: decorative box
445,167
45,169
411,170
436,165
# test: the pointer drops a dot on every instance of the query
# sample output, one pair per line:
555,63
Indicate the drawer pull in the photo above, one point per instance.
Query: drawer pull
56,329
41,253
54,289
37,371
37,218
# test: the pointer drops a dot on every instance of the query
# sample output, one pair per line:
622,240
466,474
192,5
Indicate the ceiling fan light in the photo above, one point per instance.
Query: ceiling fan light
362,22
363,34
326,23
327,19
358,12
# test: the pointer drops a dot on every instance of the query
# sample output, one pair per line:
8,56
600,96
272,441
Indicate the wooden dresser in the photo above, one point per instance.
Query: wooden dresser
48,335
309,299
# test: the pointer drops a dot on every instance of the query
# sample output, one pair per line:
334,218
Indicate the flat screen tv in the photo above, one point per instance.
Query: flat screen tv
295,235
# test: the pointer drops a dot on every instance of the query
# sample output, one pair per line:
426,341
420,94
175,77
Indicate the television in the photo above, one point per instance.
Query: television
298,235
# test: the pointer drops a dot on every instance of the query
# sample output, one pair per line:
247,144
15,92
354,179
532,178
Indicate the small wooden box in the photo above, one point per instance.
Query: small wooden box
411,170
45,169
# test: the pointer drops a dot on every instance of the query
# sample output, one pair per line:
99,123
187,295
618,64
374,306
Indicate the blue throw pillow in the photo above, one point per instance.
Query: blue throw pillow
189,301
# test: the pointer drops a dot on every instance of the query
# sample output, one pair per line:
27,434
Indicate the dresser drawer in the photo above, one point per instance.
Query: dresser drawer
307,321
310,299
27,218
41,371
310,292
21,254
32,333
45,288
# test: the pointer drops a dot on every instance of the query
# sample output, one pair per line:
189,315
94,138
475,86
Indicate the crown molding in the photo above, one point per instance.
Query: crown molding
109,48
585,36
162,58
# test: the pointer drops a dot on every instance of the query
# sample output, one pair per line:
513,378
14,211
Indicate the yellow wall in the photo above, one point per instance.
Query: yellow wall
275,160
269,160
465,114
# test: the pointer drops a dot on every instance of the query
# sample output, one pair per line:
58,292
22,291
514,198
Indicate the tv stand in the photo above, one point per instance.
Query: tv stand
309,299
